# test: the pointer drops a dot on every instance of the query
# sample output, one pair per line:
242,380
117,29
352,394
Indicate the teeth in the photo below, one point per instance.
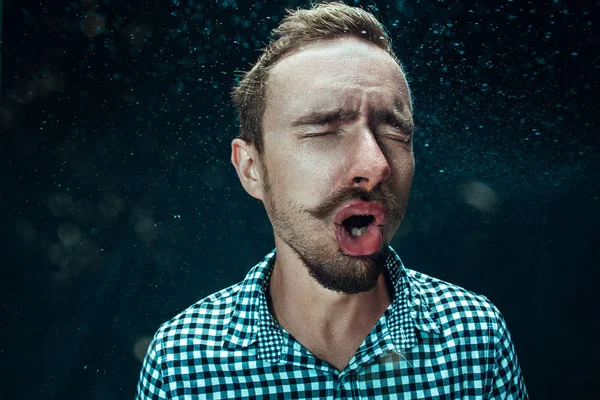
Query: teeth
358,231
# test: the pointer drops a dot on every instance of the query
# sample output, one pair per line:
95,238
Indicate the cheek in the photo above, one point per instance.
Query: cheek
403,172
403,164
306,175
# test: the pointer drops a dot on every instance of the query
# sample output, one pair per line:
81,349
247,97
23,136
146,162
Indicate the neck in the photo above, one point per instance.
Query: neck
320,318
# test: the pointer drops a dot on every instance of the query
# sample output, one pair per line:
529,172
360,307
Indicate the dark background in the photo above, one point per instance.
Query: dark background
120,207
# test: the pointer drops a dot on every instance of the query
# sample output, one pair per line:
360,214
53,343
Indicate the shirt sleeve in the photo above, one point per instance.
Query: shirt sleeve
507,381
150,384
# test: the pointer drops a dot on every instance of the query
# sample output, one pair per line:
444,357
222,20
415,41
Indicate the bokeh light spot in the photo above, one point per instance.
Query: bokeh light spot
69,234
93,25
146,229
480,196
140,348
60,205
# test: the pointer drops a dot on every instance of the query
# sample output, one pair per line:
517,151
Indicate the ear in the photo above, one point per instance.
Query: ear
244,158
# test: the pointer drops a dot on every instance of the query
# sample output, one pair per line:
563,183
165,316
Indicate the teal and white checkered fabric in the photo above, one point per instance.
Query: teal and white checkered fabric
435,341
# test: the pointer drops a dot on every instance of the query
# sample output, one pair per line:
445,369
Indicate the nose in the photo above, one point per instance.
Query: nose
369,166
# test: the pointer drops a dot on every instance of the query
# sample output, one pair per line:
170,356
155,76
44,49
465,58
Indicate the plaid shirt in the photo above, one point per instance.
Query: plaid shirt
435,340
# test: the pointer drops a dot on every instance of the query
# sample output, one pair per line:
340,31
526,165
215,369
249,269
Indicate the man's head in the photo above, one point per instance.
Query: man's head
326,119
300,27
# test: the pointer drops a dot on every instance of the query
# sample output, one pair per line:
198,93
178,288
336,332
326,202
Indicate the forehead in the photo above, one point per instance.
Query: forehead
335,73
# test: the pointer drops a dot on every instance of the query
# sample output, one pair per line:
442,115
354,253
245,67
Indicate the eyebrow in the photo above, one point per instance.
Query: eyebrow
395,119
324,117
392,117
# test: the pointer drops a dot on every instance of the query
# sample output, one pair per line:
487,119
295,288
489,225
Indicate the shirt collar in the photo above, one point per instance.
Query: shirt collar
251,320
412,306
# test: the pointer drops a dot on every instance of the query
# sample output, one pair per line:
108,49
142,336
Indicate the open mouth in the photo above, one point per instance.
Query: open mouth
359,235
357,225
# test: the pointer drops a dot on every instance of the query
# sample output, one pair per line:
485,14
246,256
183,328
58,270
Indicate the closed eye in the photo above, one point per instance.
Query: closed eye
397,138
394,137
317,135
397,133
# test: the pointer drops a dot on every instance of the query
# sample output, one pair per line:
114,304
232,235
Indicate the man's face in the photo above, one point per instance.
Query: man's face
337,129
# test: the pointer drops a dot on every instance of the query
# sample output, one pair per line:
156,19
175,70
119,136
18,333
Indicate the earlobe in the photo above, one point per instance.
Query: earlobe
247,165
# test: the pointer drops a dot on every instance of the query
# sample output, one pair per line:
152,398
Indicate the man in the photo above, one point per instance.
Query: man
326,145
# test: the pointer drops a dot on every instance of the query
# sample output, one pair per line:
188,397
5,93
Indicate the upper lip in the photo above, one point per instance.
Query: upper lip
376,209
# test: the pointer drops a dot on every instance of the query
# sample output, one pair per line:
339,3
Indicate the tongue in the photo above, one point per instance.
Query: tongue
366,244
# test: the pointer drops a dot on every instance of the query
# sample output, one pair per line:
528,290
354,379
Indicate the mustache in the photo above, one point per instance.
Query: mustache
330,205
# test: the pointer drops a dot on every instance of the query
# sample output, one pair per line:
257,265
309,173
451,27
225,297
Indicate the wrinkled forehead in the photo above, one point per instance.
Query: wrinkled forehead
336,73
350,97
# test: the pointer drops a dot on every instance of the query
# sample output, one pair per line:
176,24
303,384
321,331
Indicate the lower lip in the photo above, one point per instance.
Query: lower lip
364,245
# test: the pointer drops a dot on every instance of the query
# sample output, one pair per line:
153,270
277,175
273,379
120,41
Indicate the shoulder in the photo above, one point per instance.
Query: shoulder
203,323
454,307
473,328
185,339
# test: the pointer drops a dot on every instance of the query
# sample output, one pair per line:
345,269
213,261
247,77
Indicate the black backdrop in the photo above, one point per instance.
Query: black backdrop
120,207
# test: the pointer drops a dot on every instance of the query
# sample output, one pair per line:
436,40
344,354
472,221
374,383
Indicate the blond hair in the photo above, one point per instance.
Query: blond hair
300,27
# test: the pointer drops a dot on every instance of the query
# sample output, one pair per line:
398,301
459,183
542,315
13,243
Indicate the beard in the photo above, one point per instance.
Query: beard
342,273
302,230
